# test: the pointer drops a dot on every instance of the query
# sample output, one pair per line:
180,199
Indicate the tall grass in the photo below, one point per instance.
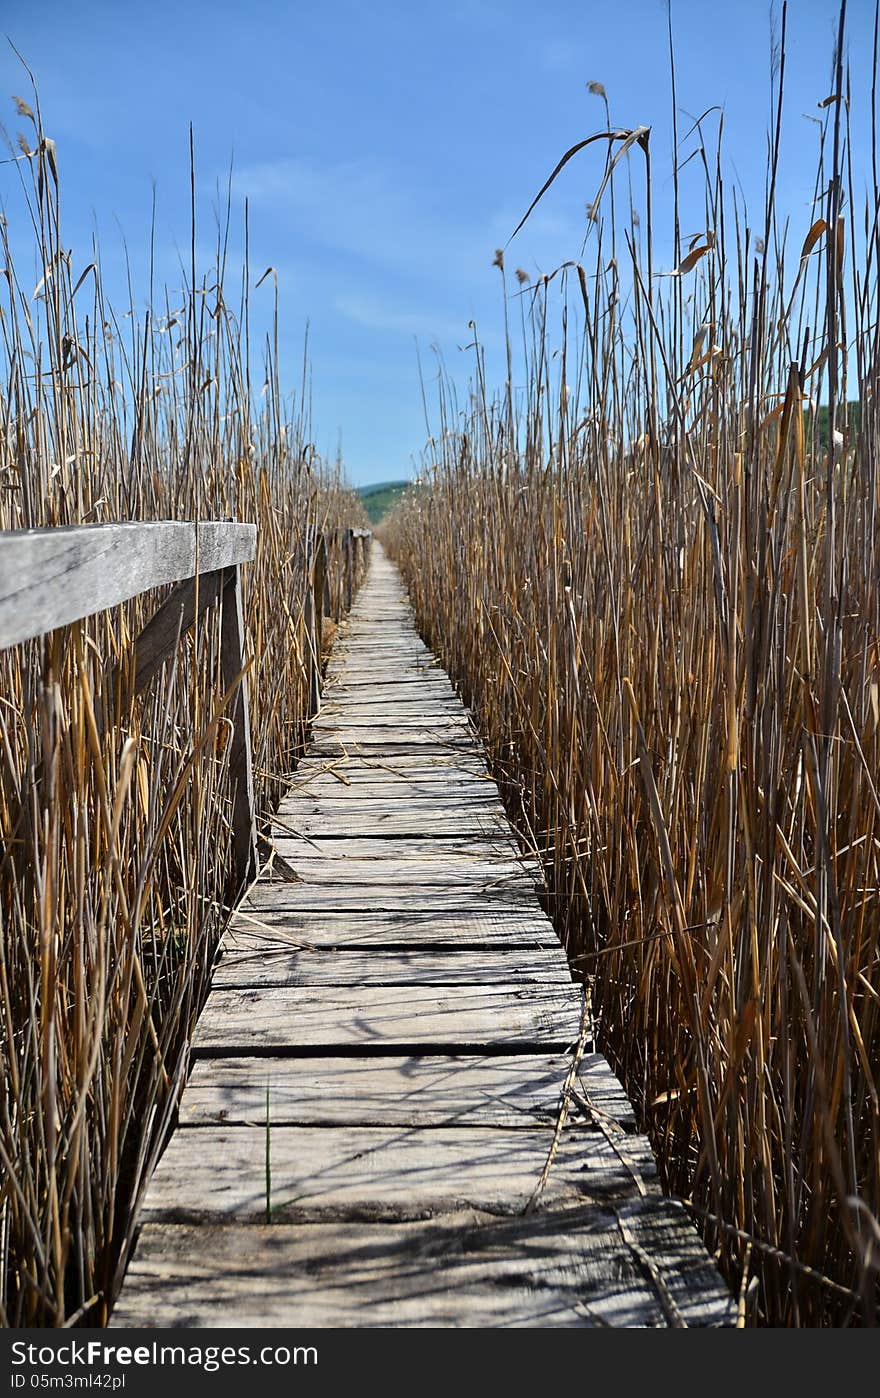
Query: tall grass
115,866
654,574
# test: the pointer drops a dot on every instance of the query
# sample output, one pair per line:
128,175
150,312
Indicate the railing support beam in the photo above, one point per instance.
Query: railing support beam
232,662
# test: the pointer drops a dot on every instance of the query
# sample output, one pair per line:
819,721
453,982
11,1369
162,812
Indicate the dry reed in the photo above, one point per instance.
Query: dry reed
653,573
115,862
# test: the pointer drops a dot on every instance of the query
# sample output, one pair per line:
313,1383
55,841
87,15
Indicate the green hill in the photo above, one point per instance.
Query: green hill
854,416
380,499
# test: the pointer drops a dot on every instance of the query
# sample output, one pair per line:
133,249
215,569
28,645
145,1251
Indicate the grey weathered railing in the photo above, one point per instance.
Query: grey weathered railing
354,545
53,577
323,598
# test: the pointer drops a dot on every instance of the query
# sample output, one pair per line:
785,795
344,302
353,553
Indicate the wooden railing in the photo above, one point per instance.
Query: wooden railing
53,577
329,596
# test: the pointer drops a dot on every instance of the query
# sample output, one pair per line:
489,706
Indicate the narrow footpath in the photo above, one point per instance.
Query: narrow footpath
369,1133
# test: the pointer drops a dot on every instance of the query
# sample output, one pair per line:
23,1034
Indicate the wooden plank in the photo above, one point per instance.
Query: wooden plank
385,782
300,895
350,787
383,725
389,1019
394,799
378,728
52,577
434,683
381,674
495,855
580,1267
348,744
513,1091
390,825
366,666
217,1174
364,712
484,851
382,666
383,693
461,875
434,774
416,697
394,825
331,795
241,967
374,653
270,915
331,798
516,1091
390,648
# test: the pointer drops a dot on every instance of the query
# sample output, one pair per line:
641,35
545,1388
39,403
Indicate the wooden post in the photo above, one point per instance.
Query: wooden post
244,833
326,599
320,577
186,604
316,598
348,546
312,620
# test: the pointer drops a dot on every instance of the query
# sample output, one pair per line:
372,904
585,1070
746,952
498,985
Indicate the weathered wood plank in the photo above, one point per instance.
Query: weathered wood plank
389,1018
366,668
52,577
515,1091
487,850
378,728
434,777
299,966
426,690
387,826
390,654
337,875
429,712
409,730
300,895
351,785
218,1174
270,915
329,796
579,1267
398,799
349,745
433,684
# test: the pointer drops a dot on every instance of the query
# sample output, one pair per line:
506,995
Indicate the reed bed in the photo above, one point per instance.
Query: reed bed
653,573
116,856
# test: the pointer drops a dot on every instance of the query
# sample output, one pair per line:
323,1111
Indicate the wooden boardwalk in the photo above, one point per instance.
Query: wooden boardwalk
379,1068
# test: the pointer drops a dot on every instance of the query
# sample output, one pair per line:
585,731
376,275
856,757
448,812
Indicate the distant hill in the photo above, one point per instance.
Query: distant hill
379,500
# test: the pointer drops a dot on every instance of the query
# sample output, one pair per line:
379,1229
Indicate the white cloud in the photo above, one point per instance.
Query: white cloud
378,313
358,207
393,219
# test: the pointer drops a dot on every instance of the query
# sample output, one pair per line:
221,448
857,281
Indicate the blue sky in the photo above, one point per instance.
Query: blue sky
387,149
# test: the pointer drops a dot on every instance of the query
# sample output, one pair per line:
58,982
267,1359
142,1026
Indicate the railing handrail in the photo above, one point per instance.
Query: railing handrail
53,577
